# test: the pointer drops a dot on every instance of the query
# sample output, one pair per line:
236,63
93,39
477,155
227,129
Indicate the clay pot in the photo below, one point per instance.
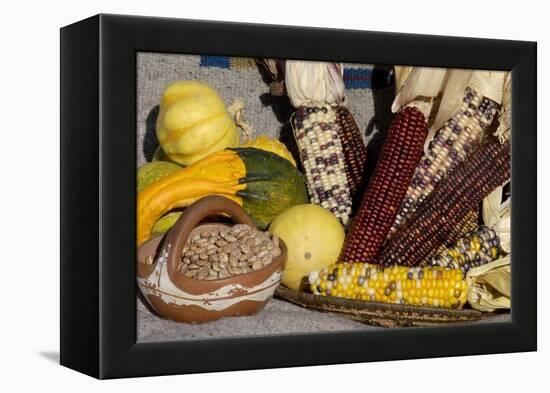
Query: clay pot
174,296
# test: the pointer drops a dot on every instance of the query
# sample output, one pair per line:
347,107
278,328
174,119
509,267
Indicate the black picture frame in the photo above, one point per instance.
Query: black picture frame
98,165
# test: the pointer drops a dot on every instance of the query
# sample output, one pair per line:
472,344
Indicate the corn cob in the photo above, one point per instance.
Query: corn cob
472,250
462,190
448,148
353,147
322,159
421,286
468,224
387,187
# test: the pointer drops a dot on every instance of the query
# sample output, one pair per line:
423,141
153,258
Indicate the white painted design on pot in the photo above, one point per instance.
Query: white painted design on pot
158,284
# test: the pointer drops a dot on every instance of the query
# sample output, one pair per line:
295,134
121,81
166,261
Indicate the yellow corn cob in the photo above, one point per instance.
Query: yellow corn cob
421,286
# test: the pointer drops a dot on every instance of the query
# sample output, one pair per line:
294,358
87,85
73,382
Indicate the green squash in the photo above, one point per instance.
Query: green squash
273,185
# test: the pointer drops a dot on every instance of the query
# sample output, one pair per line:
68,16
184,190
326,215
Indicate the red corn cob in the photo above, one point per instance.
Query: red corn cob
387,188
353,147
462,190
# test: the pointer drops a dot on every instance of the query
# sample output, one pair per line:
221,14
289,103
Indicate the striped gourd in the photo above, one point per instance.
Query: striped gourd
420,286
387,187
474,249
322,157
486,168
447,149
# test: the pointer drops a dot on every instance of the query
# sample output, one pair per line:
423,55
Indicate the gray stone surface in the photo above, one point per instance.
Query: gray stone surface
278,317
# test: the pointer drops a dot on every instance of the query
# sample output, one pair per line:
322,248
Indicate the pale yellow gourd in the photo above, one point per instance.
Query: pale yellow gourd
193,122
313,237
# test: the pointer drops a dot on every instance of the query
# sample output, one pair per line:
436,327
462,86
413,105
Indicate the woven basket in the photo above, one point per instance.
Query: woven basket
380,314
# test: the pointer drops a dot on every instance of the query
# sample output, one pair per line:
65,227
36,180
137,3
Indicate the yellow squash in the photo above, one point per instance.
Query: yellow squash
273,145
150,173
193,122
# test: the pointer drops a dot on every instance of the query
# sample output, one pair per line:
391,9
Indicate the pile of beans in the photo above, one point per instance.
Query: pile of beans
218,254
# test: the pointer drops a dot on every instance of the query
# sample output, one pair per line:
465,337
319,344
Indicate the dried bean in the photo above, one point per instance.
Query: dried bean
220,243
230,238
262,253
257,265
245,248
235,270
203,273
233,261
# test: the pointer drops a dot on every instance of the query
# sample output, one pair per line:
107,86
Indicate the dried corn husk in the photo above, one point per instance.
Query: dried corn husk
401,75
488,83
310,83
421,86
453,92
236,111
505,117
489,286
496,214
275,69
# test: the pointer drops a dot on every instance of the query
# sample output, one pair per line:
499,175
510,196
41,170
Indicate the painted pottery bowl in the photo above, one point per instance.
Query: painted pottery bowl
183,299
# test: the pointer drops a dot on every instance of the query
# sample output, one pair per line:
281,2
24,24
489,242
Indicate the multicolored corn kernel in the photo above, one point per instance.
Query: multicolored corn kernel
353,147
448,148
475,249
387,187
323,159
468,224
419,286
462,190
